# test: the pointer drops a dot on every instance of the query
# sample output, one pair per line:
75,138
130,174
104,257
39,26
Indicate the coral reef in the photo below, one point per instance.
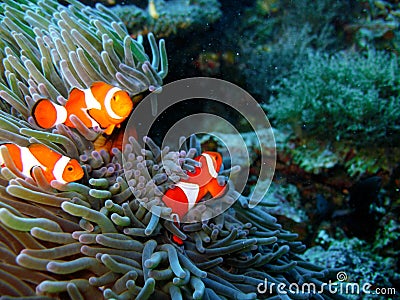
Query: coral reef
168,17
110,236
350,97
375,25
362,265
274,39
289,202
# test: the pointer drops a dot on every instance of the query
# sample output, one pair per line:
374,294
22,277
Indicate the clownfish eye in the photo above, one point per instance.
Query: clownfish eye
70,168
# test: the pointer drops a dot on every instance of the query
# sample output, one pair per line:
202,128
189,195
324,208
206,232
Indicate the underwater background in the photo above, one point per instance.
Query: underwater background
326,74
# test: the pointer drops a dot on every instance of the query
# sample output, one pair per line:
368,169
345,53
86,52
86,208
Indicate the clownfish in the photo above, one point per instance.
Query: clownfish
187,192
102,105
54,165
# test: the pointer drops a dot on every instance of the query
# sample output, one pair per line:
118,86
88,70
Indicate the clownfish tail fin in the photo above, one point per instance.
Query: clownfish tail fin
47,114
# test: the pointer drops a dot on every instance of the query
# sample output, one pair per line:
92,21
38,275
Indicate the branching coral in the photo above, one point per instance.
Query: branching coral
376,25
106,237
346,101
362,264
166,17
272,45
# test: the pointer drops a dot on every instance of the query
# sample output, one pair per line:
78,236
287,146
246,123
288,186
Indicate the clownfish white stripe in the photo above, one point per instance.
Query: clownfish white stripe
210,165
61,114
29,161
90,101
107,103
59,168
191,191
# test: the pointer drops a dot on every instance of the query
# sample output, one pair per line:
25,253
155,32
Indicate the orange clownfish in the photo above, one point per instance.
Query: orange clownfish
101,105
203,180
54,165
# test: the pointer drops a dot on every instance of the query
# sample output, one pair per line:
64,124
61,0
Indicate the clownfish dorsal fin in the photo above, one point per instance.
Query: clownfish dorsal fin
75,95
99,90
47,157
100,84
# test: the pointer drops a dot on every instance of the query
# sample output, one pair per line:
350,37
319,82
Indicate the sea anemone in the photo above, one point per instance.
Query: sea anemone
110,235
